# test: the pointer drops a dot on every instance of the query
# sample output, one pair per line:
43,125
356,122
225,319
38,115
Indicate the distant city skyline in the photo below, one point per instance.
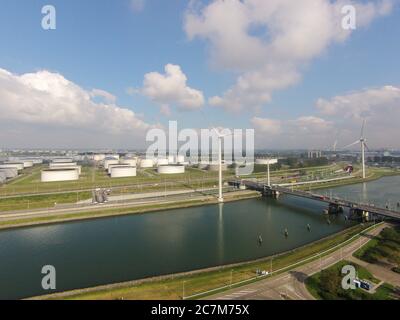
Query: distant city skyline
110,71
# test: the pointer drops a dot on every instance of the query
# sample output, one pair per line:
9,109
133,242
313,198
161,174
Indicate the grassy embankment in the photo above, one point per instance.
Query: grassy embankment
383,248
126,210
147,181
196,283
326,285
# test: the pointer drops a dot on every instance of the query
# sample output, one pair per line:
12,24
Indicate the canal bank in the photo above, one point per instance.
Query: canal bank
161,203
122,248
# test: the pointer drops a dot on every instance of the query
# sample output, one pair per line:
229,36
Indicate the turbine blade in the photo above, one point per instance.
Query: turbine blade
366,147
362,129
351,144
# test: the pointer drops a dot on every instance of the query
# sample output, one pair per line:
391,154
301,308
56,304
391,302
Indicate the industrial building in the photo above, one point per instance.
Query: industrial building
171,169
59,174
123,171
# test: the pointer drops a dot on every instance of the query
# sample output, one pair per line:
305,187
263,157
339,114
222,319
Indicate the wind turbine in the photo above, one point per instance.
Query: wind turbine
363,142
220,137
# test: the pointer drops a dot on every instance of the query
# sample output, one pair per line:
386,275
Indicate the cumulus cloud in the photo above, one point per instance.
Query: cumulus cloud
339,118
269,42
103,94
171,89
45,98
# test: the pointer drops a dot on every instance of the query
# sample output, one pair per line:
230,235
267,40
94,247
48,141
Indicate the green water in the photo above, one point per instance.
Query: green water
109,250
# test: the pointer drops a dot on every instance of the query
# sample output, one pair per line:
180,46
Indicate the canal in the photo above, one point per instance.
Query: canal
115,249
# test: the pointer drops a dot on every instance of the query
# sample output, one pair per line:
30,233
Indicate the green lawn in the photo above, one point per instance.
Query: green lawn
326,285
385,247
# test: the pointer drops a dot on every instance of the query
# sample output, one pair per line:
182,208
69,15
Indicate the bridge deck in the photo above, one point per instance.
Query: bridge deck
330,200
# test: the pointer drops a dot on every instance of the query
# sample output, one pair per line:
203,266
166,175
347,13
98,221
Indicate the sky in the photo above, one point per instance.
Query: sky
112,70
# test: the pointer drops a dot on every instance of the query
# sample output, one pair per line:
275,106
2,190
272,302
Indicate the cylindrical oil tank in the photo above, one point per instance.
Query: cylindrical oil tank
17,165
116,165
266,161
58,160
215,167
53,175
61,164
162,162
99,157
146,163
3,177
79,168
171,169
180,158
171,159
10,172
123,172
132,161
27,163
109,161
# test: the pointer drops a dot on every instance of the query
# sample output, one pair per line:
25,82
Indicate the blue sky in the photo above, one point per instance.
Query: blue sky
109,46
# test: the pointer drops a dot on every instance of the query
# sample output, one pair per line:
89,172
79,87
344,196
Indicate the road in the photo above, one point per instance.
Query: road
290,285
172,198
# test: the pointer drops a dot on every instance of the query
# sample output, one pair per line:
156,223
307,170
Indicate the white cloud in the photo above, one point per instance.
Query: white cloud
171,89
269,42
108,97
47,99
339,118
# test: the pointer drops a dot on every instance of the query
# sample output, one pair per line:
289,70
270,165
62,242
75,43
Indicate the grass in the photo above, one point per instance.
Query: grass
385,247
326,285
97,213
41,201
172,287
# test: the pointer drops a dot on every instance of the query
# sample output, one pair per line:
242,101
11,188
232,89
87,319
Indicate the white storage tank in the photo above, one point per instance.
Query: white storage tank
123,172
27,163
99,157
3,177
146,163
215,167
171,159
180,159
109,161
79,168
131,161
10,172
18,165
58,175
116,165
171,169
266,161
61,164
162,162
58,160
